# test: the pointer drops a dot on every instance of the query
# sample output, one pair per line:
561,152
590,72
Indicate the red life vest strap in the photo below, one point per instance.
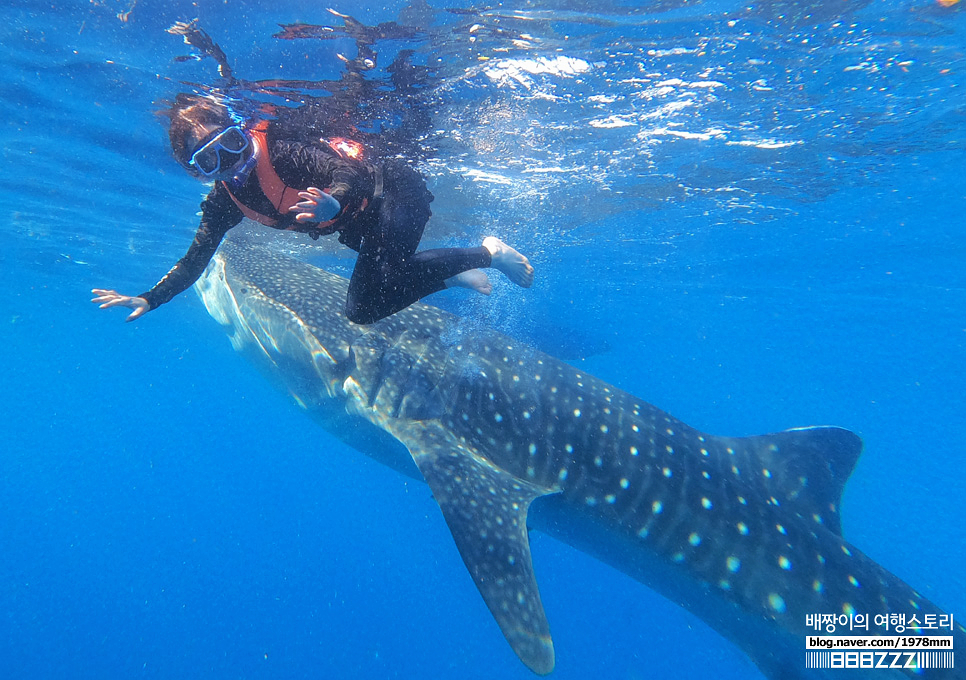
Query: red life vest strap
249,213
282,196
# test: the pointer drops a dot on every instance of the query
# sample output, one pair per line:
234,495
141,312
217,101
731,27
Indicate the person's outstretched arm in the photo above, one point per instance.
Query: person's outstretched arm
218,215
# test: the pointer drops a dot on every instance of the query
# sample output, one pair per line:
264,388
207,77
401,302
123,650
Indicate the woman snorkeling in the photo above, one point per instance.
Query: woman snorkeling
378,208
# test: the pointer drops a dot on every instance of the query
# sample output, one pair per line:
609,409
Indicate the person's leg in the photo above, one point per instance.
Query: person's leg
389,275
382,285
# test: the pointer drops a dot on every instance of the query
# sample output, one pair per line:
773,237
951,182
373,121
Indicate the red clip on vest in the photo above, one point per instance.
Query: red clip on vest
347,148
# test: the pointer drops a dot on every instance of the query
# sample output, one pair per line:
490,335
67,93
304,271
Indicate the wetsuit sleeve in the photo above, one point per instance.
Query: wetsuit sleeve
343,178
218,214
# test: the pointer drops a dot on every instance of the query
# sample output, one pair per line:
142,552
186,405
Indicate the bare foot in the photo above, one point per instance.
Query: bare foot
474,279
515,266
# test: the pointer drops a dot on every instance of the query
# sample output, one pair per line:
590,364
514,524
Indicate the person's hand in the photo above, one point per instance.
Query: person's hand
315,206
111,298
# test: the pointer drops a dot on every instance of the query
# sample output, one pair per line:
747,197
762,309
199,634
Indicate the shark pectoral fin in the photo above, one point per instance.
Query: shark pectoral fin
486,510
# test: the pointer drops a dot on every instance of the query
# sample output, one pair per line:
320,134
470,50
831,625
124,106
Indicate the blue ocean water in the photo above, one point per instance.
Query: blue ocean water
748,214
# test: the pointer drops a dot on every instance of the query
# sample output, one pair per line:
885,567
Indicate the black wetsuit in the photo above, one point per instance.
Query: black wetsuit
389,274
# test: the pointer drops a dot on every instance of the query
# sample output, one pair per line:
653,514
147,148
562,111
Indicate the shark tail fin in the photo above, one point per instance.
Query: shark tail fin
805,469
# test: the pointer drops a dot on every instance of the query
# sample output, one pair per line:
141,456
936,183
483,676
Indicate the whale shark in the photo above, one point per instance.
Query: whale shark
745,532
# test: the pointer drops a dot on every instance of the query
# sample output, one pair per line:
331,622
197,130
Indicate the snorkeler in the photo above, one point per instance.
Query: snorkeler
379,209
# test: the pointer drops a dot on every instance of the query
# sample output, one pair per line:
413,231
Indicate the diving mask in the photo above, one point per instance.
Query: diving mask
212,156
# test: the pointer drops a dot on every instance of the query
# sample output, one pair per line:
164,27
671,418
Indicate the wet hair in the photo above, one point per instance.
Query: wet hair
189,117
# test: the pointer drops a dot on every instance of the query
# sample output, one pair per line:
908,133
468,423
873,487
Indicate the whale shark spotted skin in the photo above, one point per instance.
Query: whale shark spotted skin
744,532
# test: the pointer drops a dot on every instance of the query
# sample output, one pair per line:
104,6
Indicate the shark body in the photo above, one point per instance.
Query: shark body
744,532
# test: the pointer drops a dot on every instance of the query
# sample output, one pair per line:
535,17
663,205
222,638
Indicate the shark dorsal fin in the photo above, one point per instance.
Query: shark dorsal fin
486,511
805,469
